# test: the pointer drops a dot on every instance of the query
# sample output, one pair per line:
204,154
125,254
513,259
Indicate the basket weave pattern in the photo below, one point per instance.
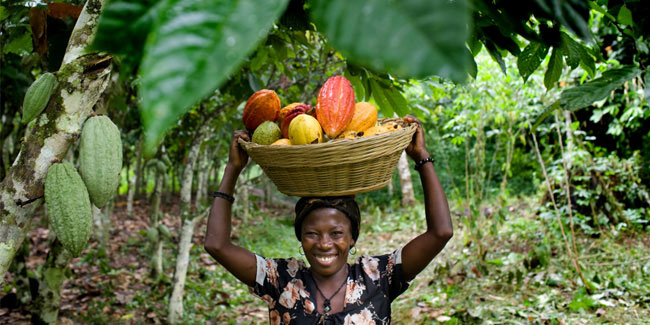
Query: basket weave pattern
339,167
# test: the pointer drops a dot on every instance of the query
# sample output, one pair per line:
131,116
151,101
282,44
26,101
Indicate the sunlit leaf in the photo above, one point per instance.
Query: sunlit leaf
625,16
192,50
405,38
584,95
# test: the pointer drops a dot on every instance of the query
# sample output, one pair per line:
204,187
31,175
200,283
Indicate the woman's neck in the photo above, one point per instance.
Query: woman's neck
334,279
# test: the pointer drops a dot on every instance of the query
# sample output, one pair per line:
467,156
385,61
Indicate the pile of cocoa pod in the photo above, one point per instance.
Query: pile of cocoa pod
337,116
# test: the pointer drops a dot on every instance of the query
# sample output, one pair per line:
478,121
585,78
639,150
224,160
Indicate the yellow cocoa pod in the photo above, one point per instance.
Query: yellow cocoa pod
305,129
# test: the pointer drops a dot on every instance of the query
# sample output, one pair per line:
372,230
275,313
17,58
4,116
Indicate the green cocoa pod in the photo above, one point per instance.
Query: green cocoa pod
100,158
37,96
68,207
152,235
161,168
166,160
164,231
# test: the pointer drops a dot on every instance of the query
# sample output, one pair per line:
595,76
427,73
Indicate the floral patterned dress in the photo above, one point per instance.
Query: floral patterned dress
288,288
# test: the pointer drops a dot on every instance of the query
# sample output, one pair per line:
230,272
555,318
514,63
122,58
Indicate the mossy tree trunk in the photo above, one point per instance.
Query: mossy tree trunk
82,80
156,258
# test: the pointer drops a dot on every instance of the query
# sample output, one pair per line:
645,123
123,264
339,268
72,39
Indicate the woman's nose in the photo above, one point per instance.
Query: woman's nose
325,242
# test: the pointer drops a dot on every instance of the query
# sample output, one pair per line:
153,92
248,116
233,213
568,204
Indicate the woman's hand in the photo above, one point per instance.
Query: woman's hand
416,149
238,157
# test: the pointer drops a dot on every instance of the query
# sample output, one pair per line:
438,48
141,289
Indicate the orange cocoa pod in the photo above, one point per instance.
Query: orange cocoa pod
365,116
263,105
335,105
282,142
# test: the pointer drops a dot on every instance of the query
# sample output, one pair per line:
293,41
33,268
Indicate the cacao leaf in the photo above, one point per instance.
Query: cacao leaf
191,50
625,16
530,59
380,98
554,69
124,25
405,38
571,50
357,85
397,101
597,89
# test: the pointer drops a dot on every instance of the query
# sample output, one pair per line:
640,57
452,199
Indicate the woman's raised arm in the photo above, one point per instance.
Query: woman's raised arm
417,254
238,260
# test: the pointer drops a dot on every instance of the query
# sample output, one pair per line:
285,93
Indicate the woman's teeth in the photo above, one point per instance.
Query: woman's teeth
326,260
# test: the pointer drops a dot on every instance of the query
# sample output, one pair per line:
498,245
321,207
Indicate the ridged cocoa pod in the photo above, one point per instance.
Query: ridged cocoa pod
335,105
100,158
68,207
37,96
262,106
286,109
364,117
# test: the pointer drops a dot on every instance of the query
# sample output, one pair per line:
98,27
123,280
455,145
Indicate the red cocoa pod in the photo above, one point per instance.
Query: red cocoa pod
335,105
263,105
286,120
286,109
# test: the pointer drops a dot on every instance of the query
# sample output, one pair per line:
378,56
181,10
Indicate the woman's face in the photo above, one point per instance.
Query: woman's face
326,240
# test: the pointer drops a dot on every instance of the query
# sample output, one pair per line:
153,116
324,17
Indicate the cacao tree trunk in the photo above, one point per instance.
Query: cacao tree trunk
98,231
175,311
202,178
82,80
46,305
133,180
408,197
182,261
156,259
242,203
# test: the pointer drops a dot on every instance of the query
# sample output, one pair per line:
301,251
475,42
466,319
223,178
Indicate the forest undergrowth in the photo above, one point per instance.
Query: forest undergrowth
525,276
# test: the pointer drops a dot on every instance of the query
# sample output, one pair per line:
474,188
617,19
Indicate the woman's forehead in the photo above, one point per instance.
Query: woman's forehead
326,216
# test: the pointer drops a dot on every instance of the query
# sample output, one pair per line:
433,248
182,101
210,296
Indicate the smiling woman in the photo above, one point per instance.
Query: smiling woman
330,291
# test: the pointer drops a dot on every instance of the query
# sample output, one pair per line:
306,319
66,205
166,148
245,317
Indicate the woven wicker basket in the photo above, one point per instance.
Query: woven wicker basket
341,167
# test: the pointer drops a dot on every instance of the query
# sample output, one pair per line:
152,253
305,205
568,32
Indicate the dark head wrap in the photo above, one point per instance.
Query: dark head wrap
345,204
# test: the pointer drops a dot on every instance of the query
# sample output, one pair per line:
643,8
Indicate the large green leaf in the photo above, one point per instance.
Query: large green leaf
530,59
124,26
408,38
597,89
191,51
554,69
